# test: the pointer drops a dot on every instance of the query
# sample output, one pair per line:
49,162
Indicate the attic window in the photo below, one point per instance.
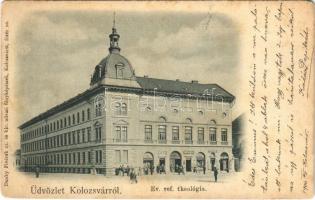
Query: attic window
120,70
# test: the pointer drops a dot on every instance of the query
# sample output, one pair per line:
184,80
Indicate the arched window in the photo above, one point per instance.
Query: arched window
120,71
123,109
98,109
213,122
188,120
200,159
162,119
120,108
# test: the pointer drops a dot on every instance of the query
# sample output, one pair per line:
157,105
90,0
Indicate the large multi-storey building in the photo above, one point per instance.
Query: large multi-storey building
123,119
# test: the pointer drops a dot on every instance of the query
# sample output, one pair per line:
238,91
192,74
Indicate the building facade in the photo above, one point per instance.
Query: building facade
122,119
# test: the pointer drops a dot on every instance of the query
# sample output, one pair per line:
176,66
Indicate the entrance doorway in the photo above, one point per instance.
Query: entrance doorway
148,159
212,161
188,165
224,162
162,161
175,161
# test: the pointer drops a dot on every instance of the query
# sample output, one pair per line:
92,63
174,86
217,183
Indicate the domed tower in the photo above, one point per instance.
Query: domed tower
114,69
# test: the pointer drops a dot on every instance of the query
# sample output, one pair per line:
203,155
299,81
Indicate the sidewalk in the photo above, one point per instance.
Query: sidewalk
197,177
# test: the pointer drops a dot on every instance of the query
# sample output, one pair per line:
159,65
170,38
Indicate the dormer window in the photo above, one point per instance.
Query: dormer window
120,70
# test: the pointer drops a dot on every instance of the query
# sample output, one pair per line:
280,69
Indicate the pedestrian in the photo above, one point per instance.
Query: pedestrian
215,172
182,169
204,169
131,177
151,169
37,171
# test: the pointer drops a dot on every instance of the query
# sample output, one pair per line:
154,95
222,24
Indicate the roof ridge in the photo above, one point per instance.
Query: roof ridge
175,80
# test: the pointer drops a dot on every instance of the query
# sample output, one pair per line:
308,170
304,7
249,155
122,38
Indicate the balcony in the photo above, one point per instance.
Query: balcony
188,141
148,141
162,141
224,143
213,142
175,141
201,142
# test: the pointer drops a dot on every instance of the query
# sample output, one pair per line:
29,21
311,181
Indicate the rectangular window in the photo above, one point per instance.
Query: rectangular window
70,160
69,121
78,117
65,122
118,156
66,158
213,134
69,139
162,133
73,137
73,158
73,119
98,109
98,156
148,132
83,157
78,137
188,133
175,133
61,140
89,157
201,136
89,134
83,116
79,158
58,159
124,133
118,133
88,114
125,156
98,132
224,135
83,135
55,141
65,139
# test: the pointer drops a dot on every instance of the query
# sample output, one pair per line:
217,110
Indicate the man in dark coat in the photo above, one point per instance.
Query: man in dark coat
37,171
204,169
215,172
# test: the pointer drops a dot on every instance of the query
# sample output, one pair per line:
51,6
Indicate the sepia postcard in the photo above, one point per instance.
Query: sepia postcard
156,100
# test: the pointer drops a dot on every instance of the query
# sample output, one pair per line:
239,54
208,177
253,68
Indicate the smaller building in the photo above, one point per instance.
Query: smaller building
238,140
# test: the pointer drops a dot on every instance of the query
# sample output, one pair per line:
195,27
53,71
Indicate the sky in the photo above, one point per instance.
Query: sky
59,50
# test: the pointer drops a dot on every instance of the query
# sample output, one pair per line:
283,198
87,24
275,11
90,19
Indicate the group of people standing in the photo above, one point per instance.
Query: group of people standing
148,169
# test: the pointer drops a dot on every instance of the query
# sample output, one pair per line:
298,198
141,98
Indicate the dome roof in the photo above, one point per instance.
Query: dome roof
113,66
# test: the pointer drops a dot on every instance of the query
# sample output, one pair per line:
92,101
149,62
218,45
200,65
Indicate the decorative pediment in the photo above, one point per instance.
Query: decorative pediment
97,123
121,122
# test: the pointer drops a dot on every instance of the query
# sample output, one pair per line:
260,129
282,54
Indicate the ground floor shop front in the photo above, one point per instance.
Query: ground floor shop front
172,159
110,159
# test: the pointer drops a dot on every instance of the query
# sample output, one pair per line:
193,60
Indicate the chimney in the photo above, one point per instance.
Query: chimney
146,76
194,81
177,80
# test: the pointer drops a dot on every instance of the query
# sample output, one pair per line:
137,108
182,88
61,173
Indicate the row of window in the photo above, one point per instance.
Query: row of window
58,124
66,158
70,138
188,133
120,109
